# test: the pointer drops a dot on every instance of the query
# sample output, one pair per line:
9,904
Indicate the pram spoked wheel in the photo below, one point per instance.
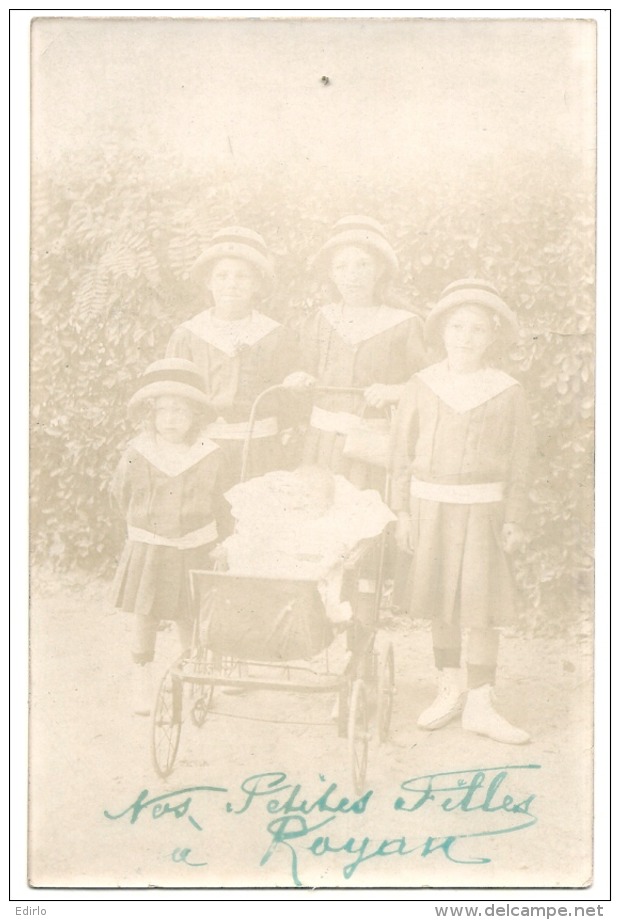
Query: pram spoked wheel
385,691
358,734
201,693
167,717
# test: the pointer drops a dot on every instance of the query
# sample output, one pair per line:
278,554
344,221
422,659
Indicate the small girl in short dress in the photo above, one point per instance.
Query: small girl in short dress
168,487
461,449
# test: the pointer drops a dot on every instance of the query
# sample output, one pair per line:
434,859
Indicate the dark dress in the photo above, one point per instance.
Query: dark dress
459,569
239,360
175,515
386,348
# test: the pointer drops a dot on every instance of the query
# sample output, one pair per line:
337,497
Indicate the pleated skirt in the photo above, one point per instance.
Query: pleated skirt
459,571
153,581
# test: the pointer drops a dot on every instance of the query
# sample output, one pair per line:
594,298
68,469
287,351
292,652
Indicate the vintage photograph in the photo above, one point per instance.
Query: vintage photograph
312,364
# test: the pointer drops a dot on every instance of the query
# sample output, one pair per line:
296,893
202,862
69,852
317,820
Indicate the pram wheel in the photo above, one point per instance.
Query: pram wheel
385,691
358,735
167,715
199,663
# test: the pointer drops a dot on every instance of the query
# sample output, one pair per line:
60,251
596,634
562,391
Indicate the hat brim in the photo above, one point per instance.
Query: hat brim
231,250
509,328
372,241
172,388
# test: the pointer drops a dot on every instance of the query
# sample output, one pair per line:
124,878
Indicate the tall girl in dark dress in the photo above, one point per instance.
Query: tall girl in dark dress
462,445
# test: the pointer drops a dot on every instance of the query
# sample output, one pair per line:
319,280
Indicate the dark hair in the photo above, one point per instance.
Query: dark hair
261,292
494,351
326,261
142,415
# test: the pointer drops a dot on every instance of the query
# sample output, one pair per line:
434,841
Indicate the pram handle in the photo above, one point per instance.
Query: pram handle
352,391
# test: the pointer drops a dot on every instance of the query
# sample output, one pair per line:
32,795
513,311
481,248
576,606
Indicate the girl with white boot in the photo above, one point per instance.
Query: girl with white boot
461,449
168,486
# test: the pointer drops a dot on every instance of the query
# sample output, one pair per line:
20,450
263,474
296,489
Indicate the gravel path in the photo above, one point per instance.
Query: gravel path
90,755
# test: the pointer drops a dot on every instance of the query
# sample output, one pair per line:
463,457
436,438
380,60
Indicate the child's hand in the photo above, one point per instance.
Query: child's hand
512,537
402,534
299,381
380,395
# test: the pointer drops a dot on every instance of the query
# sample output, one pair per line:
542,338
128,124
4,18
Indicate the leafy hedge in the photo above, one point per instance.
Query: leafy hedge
113,241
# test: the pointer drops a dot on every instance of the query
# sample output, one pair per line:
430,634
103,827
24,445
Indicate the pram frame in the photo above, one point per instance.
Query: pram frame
366,670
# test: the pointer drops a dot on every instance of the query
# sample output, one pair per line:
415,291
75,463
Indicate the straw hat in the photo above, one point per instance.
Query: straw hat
357,230
238,243
471,292
170,377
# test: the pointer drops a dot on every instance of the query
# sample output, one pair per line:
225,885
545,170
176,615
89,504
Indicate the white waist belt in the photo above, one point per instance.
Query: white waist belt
206,534
456,493
239,431
344,422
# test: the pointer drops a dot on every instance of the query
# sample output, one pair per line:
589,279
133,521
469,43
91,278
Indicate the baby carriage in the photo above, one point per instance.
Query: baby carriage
274,634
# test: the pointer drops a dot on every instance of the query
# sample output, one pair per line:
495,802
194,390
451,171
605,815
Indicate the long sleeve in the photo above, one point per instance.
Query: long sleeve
403,436
520,459
310,331
179,345
417,355
120,486
280,358
221,508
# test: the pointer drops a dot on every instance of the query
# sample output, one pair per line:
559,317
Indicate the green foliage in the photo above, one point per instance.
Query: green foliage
113,242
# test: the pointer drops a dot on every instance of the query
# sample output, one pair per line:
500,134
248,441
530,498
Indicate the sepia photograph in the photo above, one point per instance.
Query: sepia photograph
312,394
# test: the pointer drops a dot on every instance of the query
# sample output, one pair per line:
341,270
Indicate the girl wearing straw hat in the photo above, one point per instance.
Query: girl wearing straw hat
461,447
356,341
239,350
168,487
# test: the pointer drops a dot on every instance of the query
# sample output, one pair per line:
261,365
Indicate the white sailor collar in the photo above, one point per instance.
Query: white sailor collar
172,459
231,336
463,392
358,324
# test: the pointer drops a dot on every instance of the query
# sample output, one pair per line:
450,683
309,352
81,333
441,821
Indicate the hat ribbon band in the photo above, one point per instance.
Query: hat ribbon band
240,240
468,285
366,228
189,378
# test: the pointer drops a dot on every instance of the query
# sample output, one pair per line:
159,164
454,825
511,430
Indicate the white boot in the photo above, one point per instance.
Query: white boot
480,716
448,702
144,690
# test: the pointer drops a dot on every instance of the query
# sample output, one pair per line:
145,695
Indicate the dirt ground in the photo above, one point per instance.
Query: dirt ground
90,762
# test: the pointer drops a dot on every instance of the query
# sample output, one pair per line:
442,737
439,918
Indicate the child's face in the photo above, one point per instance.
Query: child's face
234,286
174,418
355,273
468,333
